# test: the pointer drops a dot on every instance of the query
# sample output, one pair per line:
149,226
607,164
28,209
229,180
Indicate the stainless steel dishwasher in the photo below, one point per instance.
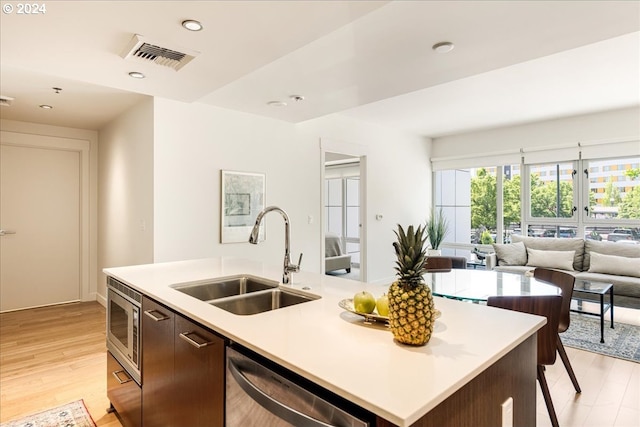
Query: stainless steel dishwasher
257,396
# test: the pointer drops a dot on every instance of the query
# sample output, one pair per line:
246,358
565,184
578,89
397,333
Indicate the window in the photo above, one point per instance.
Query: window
470,199
483,205
612,199
333,188
551,195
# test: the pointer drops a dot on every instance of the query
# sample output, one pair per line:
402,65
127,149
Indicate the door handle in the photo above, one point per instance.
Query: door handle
5,232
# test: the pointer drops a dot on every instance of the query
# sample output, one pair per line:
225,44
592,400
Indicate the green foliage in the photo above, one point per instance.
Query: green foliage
437,227
632,173
629,207
544,202
486,238
611,194
511,200
483,200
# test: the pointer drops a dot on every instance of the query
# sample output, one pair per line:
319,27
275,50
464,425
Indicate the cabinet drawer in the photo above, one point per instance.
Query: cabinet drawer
199,374
158,394
123,393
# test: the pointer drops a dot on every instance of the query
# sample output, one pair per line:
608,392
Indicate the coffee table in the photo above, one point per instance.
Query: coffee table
586,290
478,285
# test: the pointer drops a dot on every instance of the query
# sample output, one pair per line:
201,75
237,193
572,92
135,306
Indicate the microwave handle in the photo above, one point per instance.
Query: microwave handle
272,405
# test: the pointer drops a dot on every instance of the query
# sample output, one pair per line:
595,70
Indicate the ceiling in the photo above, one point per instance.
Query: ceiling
513,62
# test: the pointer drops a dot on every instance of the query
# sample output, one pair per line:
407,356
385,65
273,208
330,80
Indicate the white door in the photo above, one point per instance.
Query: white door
40,217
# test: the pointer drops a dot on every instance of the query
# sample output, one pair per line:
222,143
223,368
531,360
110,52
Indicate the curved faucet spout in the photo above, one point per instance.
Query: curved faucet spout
253,238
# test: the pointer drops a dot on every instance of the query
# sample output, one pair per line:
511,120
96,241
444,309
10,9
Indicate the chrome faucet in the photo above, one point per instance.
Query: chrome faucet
253,239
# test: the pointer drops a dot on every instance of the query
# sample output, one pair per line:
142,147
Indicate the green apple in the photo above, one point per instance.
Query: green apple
364,302
382,305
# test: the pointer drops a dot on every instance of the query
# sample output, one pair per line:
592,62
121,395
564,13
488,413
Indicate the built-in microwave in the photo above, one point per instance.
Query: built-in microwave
123,326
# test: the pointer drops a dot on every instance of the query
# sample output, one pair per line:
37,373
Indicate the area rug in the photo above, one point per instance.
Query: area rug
72,414
622,342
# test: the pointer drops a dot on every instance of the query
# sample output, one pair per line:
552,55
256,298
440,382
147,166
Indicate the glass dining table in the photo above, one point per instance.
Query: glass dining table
478,285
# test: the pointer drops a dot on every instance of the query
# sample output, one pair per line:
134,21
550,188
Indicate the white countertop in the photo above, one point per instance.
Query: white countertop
335,348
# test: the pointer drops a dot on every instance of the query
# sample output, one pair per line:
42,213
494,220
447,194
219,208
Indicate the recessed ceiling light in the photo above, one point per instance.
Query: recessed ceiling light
46,107
192,25
277,104
137,75
443,47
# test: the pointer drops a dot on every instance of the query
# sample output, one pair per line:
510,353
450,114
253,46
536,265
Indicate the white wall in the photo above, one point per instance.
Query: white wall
605,126
126,190
398,182
193,142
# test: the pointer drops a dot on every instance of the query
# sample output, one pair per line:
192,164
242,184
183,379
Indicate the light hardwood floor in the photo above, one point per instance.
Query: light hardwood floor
53,355
610,387
50,356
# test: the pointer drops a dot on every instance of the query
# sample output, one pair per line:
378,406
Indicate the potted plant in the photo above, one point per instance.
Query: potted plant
437,227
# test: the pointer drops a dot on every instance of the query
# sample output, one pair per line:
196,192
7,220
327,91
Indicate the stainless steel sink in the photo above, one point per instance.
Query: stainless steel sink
261,301
210,290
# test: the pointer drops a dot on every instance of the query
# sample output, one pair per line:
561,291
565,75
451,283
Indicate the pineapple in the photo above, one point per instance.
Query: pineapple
411,309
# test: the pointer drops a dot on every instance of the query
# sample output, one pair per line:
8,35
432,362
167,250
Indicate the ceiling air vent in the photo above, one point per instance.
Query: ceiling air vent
146,51
6,101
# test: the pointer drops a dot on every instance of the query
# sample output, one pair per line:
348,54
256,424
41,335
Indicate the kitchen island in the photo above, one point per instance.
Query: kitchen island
477,358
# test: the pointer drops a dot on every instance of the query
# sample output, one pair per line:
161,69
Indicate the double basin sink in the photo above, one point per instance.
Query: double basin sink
244,294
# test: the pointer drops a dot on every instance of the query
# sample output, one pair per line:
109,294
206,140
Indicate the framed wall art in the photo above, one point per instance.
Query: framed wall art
242,198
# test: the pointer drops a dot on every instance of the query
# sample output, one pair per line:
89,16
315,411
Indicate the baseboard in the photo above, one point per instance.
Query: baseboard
102,300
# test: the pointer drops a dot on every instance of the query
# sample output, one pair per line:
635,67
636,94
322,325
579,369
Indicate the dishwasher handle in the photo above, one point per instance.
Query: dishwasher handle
277,408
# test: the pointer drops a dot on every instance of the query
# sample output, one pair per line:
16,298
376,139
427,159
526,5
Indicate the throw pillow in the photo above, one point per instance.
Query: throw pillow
556,244
608,248
562,260
511,254
611,264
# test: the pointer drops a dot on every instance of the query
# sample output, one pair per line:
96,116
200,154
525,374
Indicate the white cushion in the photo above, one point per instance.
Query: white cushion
511,254
611,264
562,260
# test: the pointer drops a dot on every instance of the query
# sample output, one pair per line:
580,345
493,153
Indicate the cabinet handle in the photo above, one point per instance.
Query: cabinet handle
117,375
185,336
156,318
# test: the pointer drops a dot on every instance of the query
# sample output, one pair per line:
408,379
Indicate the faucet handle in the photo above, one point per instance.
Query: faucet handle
299,262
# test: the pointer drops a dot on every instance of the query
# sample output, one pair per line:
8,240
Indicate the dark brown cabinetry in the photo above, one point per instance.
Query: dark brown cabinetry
124,393
182,370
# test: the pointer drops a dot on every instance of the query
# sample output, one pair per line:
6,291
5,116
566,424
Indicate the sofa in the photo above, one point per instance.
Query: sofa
334,259
612,262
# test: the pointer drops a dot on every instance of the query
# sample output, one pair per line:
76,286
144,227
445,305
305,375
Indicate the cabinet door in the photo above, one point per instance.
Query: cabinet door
123,393
199,375
158,392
